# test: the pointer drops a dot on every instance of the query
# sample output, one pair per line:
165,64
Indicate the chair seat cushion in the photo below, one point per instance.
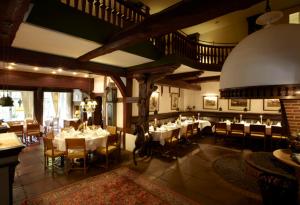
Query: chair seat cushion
221,131
102,150
76,154
56,153
257,134
278,137
237,133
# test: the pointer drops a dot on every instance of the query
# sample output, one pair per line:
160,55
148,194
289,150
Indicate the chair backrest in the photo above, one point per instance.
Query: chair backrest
112,129
75,124
75,143
237,127
276,130
189,129
175,133
33,128
195,125
221,126
48,145
16,128
113,139
50,135
258,129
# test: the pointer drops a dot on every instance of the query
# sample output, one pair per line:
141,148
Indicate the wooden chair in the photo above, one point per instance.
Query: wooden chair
172,142
75,124
277,135
111,129
196,129
220,130
18,129
113,144
258,132
33,130
237,130
75,149
50,135
50,152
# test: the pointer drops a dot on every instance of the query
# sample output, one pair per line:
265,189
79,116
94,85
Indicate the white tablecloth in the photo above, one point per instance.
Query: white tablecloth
247,127
93,138
165,131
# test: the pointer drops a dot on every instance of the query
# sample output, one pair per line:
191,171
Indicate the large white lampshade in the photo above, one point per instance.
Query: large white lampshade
270,56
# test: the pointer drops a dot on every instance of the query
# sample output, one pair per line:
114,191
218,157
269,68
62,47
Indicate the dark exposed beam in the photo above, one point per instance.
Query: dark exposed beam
205,79
11,15
178,84
34,58
153,69
184,76
181,15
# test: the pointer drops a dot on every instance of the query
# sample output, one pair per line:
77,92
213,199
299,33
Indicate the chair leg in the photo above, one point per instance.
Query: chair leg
106,161
52,165
84,165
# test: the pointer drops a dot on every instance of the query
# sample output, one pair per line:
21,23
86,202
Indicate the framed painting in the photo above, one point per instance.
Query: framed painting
210,102
174,101
239,104
154,102
271,104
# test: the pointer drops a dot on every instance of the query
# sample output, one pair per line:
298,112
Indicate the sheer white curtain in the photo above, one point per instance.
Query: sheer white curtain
64,108
55,101
27,101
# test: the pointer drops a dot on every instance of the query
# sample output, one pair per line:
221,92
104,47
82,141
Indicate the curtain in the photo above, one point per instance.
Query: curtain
64,111
55,100
27,101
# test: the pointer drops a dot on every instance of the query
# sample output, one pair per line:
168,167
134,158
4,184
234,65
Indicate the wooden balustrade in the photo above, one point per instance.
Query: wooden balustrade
179,44
118,13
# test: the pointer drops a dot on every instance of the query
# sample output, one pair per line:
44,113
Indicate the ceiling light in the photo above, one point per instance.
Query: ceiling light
36,68
53,72
74,73
59,70
12,64
86,75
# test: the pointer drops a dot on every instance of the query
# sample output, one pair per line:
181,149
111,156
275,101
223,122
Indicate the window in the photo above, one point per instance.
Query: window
294,18
22,108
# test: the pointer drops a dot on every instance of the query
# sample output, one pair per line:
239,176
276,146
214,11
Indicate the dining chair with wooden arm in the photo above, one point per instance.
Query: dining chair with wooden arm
277,134
258,132
237,130
113,144
51,152
196,129
220,130
75,149
171,143
33,130
18,129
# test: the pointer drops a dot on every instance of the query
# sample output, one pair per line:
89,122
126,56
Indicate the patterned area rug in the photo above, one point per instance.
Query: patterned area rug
118,187
232,169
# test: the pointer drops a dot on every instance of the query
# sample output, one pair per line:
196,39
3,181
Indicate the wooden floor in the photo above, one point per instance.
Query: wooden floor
191,175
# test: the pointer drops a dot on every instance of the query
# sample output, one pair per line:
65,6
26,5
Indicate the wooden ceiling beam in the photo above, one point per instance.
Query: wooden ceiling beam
153,69
11,15
178,84
39,59
181,15
184,76
205,79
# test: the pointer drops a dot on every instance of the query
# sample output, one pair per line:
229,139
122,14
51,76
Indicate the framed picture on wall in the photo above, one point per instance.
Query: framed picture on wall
271,104
239,104
210,102
174,101
154,102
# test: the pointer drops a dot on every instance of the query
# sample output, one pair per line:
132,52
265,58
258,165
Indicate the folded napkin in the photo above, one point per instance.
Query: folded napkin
258,123
278,124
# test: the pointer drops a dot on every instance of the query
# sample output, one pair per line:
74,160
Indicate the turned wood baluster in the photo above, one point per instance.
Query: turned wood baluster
97,7
83,3
76,4
120,15
103,9
91,6
109,11
114,13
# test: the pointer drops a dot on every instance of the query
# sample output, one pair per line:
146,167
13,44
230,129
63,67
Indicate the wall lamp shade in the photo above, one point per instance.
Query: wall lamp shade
270,56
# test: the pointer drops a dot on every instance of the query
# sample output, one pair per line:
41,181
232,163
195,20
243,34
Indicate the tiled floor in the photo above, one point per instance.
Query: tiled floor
191,175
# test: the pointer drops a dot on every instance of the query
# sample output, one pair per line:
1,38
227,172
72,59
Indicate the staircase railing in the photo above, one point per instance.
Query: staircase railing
179,44
121,13
117,12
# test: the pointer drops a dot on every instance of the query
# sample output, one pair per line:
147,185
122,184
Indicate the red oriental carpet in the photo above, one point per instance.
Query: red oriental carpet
118,187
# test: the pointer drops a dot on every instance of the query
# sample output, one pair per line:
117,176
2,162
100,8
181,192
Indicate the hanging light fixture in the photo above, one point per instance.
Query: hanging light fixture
88,105
267,58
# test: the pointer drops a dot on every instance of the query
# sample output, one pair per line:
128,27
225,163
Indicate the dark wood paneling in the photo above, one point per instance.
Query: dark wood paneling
19,79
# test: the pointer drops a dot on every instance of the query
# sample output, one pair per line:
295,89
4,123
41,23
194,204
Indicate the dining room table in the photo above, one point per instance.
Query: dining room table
94,138
163,132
